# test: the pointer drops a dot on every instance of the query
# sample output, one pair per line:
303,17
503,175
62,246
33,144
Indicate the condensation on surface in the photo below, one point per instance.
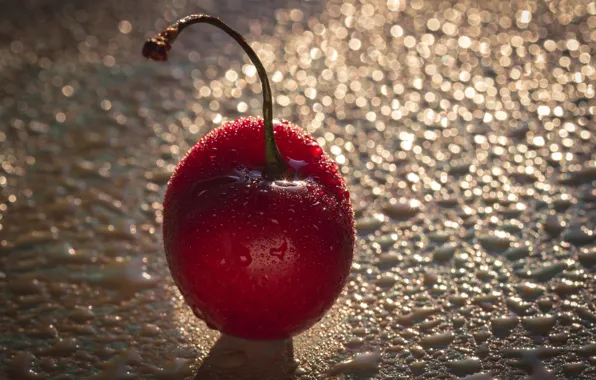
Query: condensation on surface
465,131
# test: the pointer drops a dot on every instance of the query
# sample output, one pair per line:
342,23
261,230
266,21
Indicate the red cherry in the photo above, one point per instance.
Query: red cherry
259,259
258,224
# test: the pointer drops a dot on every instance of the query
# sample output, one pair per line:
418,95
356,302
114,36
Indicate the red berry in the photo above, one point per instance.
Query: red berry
258,224
258,259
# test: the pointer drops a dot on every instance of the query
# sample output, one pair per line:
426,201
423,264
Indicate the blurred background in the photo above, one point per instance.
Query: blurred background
465,131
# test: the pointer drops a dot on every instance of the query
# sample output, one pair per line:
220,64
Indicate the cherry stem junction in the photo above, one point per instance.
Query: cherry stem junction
157,49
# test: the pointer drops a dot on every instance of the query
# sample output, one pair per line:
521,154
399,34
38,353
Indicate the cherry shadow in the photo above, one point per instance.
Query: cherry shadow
240,359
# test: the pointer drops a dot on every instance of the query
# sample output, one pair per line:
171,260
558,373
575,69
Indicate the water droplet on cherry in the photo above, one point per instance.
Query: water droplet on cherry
280,251
315,150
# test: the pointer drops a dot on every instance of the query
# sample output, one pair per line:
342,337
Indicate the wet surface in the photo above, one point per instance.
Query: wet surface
465,132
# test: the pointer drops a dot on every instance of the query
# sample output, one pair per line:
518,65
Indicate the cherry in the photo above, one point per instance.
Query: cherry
258,225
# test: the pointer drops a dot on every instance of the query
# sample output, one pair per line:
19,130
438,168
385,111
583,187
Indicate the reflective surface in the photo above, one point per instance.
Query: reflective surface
466,136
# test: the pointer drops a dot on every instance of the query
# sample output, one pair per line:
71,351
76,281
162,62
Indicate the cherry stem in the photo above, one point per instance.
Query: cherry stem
157,49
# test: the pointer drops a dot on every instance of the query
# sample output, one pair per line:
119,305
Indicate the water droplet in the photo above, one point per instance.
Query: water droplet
280,251
539,324
464,366
579,235
437,340
402,208
315,150
362,362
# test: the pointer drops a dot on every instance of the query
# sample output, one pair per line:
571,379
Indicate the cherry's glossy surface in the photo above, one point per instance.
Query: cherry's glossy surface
256,258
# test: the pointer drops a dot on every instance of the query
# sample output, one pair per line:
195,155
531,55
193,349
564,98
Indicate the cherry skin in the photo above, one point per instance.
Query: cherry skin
257,258
258,225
